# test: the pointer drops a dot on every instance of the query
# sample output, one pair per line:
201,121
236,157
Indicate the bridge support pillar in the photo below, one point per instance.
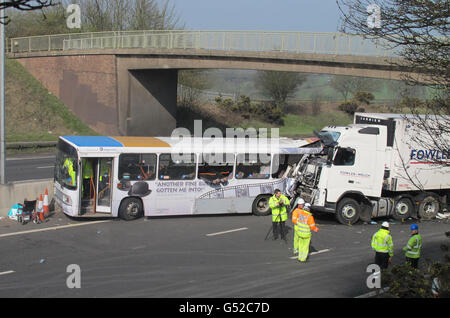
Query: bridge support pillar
151,102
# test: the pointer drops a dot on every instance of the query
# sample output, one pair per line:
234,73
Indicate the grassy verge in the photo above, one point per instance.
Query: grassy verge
33,113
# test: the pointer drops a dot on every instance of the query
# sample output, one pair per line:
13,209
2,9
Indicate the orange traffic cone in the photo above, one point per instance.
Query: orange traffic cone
40,209
46,208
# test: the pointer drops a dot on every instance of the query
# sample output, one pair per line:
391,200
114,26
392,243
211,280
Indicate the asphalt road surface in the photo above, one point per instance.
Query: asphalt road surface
30,167
206,256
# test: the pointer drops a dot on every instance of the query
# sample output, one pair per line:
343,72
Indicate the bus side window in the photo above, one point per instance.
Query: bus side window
137,167
217,168
173,168
251,166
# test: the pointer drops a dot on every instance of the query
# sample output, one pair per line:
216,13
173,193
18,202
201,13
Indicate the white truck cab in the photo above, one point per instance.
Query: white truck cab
365,172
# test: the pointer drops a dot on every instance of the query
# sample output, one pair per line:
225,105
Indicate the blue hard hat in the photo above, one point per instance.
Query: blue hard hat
414,227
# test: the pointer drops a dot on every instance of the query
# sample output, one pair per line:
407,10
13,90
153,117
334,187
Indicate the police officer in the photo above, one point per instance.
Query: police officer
383,246
412,249
278,203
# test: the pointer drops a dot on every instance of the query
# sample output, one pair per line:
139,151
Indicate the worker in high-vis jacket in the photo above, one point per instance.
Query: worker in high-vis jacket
383,246
278,203
68,165
412,249
305,223
300,204
88,174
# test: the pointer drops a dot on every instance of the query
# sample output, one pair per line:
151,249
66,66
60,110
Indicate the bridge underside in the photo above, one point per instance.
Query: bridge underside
134,92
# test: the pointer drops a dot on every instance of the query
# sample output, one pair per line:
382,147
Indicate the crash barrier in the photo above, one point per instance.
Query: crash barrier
37,144
16,192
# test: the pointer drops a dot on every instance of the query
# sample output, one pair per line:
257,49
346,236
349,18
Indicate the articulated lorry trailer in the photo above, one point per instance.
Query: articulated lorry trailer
381,165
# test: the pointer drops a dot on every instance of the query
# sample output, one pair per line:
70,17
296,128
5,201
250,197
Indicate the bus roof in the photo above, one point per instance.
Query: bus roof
93,143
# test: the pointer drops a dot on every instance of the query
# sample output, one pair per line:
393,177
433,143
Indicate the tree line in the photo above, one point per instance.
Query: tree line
96,16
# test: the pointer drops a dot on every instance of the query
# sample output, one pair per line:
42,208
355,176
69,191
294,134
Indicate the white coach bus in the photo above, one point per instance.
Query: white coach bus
129,177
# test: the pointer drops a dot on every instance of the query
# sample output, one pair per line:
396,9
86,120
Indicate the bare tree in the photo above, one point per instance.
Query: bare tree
279,85
23,5
418,30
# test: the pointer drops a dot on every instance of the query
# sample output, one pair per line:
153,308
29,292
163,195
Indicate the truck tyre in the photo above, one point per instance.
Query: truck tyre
348,211
429,206
130,209
260,206
403,208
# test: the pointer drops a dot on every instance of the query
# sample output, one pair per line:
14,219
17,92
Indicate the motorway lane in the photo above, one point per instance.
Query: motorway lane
175,257
30,167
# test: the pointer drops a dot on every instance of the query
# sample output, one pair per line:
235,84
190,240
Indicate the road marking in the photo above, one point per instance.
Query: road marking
53,228
314,253
374,293
46,167
225,232
6,273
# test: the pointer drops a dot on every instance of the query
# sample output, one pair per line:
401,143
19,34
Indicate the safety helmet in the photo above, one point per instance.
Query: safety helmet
300,201
385,224
414,227
307,206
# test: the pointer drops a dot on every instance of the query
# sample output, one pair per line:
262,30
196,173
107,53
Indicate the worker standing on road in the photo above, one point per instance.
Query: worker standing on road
278,203
383,246
295,214
305,223
412,249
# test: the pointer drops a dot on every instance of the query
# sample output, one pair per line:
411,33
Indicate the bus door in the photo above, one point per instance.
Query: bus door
103,187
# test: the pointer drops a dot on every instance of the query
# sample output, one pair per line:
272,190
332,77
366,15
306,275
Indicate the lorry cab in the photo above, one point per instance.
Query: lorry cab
353,167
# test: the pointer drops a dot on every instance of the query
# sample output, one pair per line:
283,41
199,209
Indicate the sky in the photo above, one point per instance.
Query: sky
264,15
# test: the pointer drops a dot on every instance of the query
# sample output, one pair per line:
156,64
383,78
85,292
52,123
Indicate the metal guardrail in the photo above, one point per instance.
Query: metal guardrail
38,144
257,41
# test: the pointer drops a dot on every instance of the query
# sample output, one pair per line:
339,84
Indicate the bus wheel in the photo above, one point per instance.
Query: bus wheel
260,206
403,208
429,206
130,209
348,211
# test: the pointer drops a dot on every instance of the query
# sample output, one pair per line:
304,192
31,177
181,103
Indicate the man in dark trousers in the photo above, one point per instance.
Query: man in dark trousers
383,246
412,249
279,203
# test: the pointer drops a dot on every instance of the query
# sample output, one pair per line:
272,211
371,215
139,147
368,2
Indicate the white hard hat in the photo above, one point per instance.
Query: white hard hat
307,206
300,201
385,224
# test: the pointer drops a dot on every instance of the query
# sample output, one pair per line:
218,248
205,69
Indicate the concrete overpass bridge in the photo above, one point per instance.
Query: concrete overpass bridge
125,83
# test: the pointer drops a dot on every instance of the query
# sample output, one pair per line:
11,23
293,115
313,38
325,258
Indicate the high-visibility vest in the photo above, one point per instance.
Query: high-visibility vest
68,163
304,223
279,214
412,249
382,242
88,171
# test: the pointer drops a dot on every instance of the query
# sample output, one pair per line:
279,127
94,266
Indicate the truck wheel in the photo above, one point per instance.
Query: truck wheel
260,206
130,209
429,206
403,208
348,211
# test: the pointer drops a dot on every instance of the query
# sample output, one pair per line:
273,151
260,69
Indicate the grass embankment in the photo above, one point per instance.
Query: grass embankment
33,113
298,119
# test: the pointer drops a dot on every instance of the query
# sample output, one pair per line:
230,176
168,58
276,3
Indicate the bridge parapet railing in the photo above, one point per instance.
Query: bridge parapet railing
257,41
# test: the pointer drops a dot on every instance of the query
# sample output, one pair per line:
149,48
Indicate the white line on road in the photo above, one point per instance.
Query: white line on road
6,273
225,232
46,167
53,228
314,253
29,158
